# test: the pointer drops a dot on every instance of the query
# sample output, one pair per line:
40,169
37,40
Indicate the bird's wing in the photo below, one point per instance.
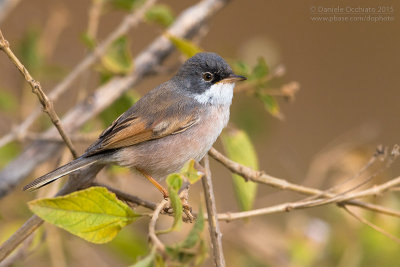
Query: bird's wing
154,116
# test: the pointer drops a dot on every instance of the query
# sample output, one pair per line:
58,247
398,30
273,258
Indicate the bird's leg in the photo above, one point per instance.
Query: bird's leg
155,183
184,196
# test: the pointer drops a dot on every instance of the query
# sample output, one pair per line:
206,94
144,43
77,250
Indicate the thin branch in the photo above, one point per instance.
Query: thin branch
37,90
152,226
128,22
260,177
213,225
185,26
20,235
373,226
129,197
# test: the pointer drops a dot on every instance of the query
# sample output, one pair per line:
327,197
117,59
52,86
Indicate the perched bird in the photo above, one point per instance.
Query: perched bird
177,121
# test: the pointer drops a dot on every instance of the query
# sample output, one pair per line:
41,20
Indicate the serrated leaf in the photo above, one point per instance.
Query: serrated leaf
8,101
239,148
186,47
260,70
190,172
94,214
147,261
160,14
174,182
271,105
118,59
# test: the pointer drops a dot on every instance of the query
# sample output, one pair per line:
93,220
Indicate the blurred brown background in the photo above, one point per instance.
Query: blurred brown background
348,72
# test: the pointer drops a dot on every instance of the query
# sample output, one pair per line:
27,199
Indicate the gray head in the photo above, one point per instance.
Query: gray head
204,71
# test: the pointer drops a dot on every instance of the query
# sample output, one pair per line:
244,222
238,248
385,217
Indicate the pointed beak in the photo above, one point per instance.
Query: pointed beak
233,78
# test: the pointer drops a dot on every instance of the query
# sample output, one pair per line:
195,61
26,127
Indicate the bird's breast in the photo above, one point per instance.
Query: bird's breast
166,155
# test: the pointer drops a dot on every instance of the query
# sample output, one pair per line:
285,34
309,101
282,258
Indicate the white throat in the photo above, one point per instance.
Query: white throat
217,94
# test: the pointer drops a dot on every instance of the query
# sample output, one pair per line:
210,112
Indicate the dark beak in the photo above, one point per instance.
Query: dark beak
233,78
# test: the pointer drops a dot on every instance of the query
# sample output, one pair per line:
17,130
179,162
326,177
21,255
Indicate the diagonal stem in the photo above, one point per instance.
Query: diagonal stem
213,224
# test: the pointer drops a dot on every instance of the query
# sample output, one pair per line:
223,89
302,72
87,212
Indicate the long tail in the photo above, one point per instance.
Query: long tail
68,168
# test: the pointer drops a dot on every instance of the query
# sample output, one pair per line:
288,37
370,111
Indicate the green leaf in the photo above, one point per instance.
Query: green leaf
8,101
190,172
94,214
194,236
127,5
174,182
193,250
88,41
118,59
148,261
186,47
160,14
29,52
271,105
241,68
239,148
8,152
260,70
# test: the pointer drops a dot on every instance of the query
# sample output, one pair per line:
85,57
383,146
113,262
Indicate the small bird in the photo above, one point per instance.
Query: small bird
177,121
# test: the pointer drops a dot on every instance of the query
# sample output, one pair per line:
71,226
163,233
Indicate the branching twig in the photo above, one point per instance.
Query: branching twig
213,225
185,26
129,197
152,226
260,177
129,21
37,90
373,226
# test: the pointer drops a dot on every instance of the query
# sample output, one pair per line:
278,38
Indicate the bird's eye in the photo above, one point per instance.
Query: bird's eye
207,76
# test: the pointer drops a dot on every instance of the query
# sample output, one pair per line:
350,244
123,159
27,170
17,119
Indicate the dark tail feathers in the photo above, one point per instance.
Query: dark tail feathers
68,168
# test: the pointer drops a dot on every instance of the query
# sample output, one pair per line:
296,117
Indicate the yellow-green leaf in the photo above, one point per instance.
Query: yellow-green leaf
94,214
160,14
190,172
194,235
174,182
271,105
239,148
118,59
147,261
186,47
260,70
88,41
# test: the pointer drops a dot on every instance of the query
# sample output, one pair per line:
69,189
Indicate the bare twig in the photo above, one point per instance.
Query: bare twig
37,90
20,255
129,197
185,26
20,235
260,177
129,22
152,226
373,226
213,225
